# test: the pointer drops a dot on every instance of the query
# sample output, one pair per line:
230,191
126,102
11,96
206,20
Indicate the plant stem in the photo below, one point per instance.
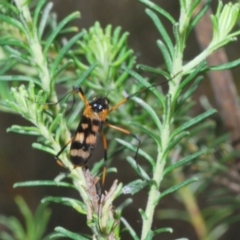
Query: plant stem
153,195
164,135
197,60
157,178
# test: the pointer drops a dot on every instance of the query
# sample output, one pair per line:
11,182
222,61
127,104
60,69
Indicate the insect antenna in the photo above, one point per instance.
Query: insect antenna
153,85
66,96
145,89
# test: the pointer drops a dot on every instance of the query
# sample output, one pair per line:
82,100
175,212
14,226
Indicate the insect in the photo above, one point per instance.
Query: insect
90,126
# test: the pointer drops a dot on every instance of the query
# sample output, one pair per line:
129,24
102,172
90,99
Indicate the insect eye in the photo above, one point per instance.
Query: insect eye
97,106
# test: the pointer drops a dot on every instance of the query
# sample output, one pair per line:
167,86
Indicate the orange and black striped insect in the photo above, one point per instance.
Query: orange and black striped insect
92,120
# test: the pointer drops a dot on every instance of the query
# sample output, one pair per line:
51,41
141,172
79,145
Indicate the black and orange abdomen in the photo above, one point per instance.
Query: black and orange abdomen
84,140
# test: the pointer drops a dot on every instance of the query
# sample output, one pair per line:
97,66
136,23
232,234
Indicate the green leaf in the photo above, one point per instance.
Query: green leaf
44,17
126,144
176,188
129,229
208,126
119,44
13,22
55,123
6,236
124,204
149,132
182,162
134,186
116,35
16,54
56,31
134,149
223,214
151,112
138,169
6,65
218,231
26,212
44,148
122,58
167,58
68,30
162,31
39,11
193,122
9,6
13,225
175,141
10,41
63,52
151,233
76,204
20,78
190,91
226,66
152,70
199,15
191,76
85,74
162,230
143,214
69,234
145,83
125,75
159,10
222,139
41,220
63,67
24,130
39,183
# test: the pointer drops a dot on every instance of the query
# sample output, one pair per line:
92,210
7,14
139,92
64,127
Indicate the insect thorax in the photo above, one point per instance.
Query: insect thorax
99,104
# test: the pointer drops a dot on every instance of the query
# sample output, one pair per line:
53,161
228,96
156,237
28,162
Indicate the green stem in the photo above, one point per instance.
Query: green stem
151,204
157,178
164,136
197,60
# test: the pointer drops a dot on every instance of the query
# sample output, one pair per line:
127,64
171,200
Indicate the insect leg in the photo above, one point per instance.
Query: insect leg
105,157
58,160
119,104
124,101
77,90
128,133
81,95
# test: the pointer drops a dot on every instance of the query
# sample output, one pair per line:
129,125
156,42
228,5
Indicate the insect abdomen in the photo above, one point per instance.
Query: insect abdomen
84,140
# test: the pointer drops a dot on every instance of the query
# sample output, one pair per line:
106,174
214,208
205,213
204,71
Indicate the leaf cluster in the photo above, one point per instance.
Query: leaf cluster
35,225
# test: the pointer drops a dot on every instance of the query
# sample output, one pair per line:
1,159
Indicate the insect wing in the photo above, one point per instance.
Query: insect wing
85,140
